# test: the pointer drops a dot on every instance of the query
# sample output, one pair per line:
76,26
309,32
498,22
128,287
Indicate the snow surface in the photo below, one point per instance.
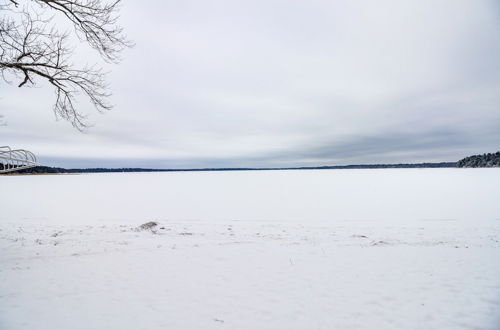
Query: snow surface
329,249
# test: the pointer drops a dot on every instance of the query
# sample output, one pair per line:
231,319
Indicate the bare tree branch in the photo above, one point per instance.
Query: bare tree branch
32,49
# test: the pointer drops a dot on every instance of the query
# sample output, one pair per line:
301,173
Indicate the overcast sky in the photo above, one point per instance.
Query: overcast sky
267,83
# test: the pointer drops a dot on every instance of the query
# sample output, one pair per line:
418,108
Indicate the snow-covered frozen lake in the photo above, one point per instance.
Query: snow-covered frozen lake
324,249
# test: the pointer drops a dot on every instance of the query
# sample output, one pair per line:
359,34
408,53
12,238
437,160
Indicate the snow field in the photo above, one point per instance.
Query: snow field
361,249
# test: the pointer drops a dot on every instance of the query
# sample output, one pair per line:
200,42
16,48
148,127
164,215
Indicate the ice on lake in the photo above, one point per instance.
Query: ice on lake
324,249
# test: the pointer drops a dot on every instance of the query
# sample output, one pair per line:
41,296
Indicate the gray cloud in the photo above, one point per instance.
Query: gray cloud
284,83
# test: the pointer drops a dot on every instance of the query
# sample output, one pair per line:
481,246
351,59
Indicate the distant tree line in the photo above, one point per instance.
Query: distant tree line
59,170
485,160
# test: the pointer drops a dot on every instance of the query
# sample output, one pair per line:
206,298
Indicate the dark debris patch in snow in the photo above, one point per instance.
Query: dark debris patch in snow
147,226
380,243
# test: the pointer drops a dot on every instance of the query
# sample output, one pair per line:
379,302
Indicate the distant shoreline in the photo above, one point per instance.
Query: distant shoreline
490,160
42,170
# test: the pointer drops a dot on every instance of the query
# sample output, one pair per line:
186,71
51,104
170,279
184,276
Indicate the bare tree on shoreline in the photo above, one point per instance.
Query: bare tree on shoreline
34,49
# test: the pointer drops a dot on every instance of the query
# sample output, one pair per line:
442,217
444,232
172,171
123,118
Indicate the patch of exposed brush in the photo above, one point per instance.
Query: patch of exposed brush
151,225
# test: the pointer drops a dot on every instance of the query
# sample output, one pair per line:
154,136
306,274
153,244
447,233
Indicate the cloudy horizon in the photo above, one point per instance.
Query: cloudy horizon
282,84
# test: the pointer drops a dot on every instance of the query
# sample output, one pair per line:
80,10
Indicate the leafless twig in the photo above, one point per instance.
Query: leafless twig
33,49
